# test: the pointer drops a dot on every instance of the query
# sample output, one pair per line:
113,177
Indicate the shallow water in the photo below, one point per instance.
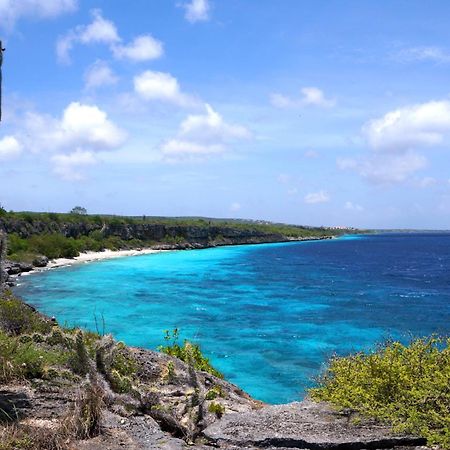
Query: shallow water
267,315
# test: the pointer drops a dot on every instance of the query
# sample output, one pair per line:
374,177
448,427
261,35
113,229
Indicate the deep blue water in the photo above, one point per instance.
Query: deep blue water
270,315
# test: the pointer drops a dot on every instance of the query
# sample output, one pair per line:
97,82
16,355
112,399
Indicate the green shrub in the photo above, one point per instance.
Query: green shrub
217,409
80,362
188,352
406,386
215,392
17,318
16,244
24,360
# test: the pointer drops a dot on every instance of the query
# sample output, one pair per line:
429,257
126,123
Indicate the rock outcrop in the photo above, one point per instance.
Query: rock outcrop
304,425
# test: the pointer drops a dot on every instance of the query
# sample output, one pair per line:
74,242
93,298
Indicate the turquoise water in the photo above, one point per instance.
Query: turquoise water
268,316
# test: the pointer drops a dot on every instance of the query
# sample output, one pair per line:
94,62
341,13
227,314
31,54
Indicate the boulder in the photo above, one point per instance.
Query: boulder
40,261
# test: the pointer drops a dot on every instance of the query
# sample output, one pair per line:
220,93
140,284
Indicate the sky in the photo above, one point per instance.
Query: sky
306,112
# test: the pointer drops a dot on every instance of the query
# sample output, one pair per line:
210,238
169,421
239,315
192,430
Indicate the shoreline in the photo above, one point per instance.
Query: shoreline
91,256
88,257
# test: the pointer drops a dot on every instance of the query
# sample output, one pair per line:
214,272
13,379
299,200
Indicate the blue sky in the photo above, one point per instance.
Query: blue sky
307,112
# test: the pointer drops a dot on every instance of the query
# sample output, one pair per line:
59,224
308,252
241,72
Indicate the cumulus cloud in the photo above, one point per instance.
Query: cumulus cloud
142,48
201,136
196,10
81,126
317,197
99,74
422,125
10,148
13,10
422,54
160,86
397,139
73,139
101,30
310,96
67,166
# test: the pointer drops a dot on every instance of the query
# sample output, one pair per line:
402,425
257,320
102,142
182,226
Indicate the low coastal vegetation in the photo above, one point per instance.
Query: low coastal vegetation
407,386
187,352
94,373
57,235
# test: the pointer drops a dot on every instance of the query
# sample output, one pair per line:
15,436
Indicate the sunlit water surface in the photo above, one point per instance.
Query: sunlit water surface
267,315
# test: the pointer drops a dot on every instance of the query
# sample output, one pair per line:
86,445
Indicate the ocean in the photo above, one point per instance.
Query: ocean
268,316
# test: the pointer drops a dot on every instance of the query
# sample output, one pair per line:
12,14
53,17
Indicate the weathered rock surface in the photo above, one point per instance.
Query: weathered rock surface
303,425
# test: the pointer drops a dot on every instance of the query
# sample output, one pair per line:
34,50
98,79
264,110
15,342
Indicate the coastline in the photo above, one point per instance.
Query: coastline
21,269
88,257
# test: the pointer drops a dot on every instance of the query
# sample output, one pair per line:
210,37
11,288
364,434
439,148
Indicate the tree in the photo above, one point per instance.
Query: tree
79,210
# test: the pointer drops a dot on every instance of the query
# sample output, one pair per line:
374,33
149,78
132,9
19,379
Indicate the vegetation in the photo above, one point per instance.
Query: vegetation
25,360
57,235
217,409
188,352
406,386
18,318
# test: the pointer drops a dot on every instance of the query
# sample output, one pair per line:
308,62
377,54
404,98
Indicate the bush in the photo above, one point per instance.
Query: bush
16,244
24,360
17,318
188,352
217,409
406,386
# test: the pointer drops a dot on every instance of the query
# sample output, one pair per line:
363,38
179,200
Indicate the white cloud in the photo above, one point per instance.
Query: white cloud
201,136
386,168
10,147
81,126
211,126
143,48
396,138
99,74
315,97
317,197
411,127
67,166
421,54
100,30
353,206
235,207
161,86
104,31
310,96
13,10
196,10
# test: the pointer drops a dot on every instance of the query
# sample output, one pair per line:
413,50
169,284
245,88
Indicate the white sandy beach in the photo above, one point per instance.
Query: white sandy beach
96,256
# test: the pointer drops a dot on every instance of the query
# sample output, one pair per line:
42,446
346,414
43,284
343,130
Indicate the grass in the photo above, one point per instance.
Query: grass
21,437
407,386
18,318
188,352
25,360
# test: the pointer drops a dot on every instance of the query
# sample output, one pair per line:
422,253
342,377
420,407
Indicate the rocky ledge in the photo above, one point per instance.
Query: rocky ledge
149,400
